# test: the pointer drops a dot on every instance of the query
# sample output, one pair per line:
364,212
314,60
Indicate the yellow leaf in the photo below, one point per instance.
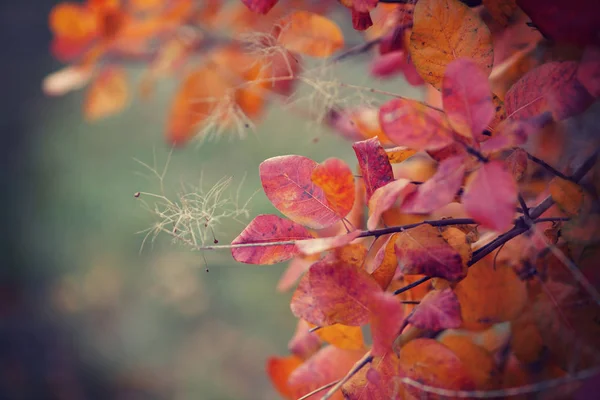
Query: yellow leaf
445,30
310,34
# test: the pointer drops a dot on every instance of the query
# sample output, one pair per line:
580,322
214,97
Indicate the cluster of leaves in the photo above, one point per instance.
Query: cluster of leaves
473,270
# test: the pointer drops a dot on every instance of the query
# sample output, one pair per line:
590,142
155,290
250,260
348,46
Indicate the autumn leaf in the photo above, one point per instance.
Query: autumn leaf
379,381
445,30
342,292
438,191
415,125
260,6
490,196
477,361
438,310
327,365
65,80
467,98
304,343
399,154
386,320
383,267
268,228
107,95
296,268
374,165
568,195
387,65
501,10
287,182
423,250
431,363
342,336
489,295
336,180
279,370
588,72
517,162
511,132
385,197
550,87
315,246
310,34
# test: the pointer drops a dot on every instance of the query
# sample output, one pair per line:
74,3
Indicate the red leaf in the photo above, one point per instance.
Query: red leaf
588,72
574,21
387,65
379,381
467,98
415,125
550,87
374,165
264,229
385,197
511,133
260,6
386,321
304,343
361,21
437,191
490,196
314,246
438,310
423,250
297,267
342,292
336,180
327,365
287,183
279,370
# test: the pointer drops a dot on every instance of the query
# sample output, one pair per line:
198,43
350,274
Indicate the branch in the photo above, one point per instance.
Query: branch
317,390
367,358
547,166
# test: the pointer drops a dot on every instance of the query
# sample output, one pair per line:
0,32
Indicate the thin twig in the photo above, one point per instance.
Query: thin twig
326,386
547,166
367,358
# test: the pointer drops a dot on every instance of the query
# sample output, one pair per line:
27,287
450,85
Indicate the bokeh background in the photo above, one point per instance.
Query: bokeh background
83,313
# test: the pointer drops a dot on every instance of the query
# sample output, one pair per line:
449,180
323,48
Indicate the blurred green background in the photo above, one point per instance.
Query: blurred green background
84,314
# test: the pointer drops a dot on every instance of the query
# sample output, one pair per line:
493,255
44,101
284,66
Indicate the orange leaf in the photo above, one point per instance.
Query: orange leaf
327,365
490,295
386,320
342,292
279,370
568,195
374,165
415,125
287,183
490,196
431,363
423,250
315,246
310,34
467,98
379,381
438,310
342,336
438,191
304,343
73,21
477,361
107,95
385,197
264,229
336,180
550,87
445,30
385,263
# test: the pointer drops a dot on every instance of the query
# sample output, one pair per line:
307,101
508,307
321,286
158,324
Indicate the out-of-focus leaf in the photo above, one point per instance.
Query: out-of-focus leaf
304,343
279,370
386,321
315,246
310,34
438,310
108,94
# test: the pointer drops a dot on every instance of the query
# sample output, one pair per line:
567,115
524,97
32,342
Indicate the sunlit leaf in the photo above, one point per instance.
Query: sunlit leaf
279,370
384,264
445,30
342,336
490,196
287,182
412,124
108,94
438,310
65,80
336,180
310,34
314,246
467,97
268,228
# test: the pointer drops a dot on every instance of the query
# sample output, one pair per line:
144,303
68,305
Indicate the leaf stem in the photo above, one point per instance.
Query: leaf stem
367,358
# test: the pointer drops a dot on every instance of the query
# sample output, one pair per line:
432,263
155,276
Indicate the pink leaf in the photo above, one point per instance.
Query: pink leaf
386,322
260,6
385,197
490,196
315,246
287,183
588,72
437,191
387,65
304,343
264,229
297,267
467,98
438,310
